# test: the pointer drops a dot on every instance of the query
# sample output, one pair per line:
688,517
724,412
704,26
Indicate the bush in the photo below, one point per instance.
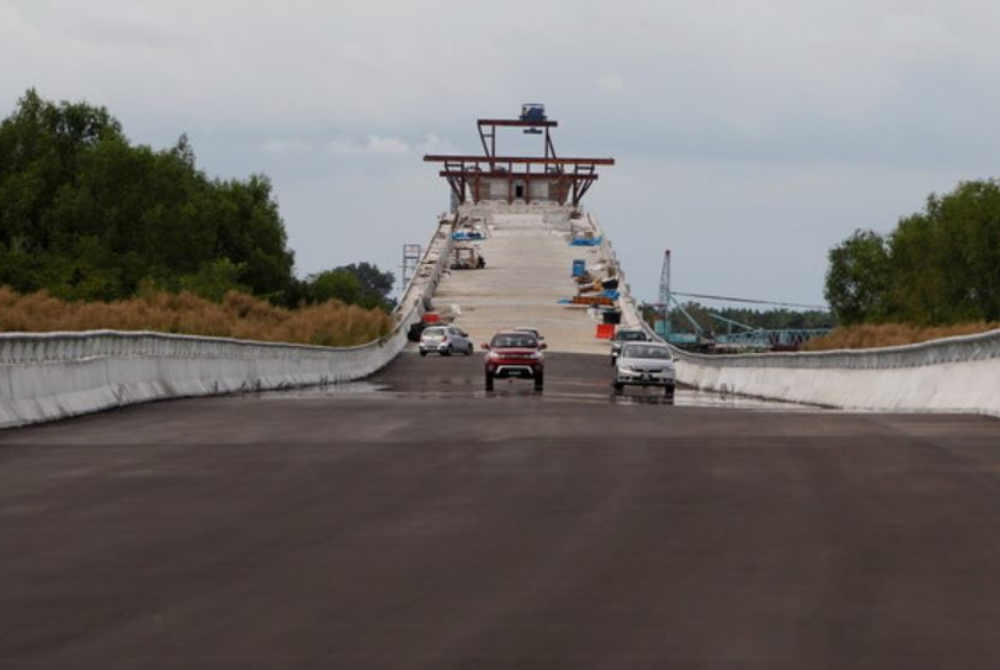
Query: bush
238,315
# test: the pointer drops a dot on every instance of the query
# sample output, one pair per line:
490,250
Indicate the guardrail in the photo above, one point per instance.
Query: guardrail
631,316
47,376
958,374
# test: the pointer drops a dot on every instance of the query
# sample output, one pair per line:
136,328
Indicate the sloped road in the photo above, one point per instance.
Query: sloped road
430,525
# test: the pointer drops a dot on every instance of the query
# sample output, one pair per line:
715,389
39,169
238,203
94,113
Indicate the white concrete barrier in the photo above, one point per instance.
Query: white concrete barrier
957,374
47,376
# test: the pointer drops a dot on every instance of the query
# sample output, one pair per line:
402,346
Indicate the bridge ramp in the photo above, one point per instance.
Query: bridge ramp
528,270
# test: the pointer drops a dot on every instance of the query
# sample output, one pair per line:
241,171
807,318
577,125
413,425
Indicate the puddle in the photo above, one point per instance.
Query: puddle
328,391
557,391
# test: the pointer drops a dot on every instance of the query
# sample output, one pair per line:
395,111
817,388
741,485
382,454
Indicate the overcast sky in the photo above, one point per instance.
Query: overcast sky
750,136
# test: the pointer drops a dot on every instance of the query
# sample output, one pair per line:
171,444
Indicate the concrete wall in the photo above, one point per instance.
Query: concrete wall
959,374
46,376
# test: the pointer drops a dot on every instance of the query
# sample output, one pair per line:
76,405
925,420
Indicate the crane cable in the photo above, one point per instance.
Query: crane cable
821,308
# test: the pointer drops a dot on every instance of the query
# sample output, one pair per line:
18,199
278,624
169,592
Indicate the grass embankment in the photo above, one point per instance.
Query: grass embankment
331,324
891,334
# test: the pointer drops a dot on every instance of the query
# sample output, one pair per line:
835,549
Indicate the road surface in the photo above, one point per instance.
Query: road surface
432,525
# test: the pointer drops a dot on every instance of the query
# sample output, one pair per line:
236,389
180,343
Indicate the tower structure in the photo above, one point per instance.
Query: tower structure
541,178
663,318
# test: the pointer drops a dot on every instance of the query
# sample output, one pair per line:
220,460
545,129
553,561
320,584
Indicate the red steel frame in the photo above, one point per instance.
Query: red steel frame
572,177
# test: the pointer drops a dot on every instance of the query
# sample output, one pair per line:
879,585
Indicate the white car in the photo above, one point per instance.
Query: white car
445,340
644,364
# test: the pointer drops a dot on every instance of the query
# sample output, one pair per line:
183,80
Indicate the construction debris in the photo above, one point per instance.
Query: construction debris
467,257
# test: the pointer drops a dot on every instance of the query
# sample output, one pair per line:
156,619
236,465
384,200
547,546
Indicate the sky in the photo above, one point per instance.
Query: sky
750,136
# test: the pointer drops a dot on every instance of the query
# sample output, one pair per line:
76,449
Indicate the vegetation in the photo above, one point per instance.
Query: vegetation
891,334
938,267
87,216
236,315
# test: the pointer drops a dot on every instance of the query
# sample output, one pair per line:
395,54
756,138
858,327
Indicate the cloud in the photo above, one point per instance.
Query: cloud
276,145
385,145
611,83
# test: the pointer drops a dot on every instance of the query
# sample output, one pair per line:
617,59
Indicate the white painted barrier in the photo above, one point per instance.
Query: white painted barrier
47,376
957,374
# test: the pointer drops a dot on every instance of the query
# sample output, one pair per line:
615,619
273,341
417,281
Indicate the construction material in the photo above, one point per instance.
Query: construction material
467,257
592,300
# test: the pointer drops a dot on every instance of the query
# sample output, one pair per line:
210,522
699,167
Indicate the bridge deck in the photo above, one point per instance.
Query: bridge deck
528,270
434,526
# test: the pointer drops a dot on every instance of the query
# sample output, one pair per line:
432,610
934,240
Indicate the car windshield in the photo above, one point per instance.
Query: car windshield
646,351
434,331
631,335
520,340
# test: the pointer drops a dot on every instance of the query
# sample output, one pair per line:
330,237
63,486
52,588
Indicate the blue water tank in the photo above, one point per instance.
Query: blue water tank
579,267
532,111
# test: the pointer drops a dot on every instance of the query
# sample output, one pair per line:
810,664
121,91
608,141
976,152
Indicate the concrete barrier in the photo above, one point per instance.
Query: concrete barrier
958,374
47,376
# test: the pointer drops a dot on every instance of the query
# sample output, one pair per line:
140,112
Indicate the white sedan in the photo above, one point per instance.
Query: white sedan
644,364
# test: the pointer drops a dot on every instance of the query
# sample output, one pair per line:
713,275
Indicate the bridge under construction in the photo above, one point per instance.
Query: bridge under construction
299,506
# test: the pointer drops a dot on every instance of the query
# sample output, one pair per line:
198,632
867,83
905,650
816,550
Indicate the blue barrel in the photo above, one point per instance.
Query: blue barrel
579,267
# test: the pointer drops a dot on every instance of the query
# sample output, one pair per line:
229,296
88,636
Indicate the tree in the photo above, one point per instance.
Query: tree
375,284
86,214
858,278
939,266
339,284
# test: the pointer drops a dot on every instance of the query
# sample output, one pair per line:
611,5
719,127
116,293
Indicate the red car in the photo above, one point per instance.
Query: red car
515,354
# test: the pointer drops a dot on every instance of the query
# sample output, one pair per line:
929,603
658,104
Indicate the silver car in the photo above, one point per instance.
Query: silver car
445,340
644,364
626,335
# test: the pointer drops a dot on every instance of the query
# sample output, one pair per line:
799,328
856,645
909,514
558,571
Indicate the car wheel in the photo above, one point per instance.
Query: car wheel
447,352
669,391
471,350
619,388
489,382
423,352
539,382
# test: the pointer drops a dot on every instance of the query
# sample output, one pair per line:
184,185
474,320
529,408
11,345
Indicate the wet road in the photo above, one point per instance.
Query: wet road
418,522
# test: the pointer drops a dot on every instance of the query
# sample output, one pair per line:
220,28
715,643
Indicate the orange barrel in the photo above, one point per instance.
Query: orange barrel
605,331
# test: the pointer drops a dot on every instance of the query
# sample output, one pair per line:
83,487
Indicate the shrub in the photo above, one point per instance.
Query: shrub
239,315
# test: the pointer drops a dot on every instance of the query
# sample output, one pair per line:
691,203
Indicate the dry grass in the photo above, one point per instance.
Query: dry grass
332,324
891,334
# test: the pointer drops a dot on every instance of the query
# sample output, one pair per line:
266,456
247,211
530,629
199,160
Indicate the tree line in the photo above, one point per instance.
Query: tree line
940,266
85,214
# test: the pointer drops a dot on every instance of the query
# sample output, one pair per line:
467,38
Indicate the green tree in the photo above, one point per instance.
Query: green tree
339,284
858,278
88,215
376,285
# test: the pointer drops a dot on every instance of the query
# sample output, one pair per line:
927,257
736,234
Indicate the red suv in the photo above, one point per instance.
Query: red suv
515,354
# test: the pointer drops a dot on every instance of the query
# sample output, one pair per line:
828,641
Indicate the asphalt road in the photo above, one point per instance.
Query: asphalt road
430,525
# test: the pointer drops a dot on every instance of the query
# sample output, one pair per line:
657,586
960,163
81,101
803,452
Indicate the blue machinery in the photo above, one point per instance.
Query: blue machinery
748,337
737,336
